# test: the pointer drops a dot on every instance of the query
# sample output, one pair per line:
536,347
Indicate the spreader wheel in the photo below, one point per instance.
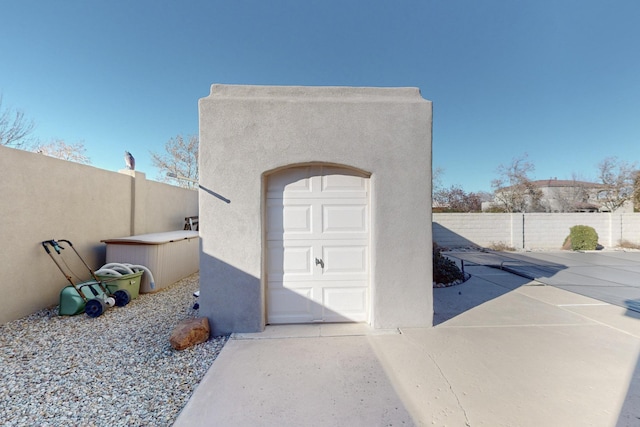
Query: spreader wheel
122,296
94,308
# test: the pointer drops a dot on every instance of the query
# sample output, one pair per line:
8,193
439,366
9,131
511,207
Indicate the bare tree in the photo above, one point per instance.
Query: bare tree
568,195
14,127
636,192
436,180
61,150
455,199
180,159
436,187
617,178
513,189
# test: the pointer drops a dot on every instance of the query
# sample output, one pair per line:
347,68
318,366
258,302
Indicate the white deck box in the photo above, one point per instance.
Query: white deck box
170,256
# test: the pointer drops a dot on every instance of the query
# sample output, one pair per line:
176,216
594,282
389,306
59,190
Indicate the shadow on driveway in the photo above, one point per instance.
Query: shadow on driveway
608,276
452,301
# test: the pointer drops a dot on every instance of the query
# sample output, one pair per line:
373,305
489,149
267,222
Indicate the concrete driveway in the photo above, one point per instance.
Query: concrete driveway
609,276
505,351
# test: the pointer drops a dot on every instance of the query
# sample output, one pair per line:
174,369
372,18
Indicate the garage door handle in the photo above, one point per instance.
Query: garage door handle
320,262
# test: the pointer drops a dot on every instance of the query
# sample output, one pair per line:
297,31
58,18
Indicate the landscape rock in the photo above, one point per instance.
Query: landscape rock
190,332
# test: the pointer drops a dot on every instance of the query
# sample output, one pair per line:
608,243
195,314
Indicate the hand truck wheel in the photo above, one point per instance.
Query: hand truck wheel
122,297
94,308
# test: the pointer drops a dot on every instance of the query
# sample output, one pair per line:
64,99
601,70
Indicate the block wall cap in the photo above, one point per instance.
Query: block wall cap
319,93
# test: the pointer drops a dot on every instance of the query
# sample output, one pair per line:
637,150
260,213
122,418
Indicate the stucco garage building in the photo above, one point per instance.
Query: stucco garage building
315,206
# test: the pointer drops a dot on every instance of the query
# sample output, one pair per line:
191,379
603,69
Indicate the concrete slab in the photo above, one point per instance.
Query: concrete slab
558,258
622,319
500,278
573,259
453,301
570,375
320,381
609,258
314,330
610,276
513,309
602,273
479,258
622,296
489,299
509,355
423,387
632,268
558,297
611,315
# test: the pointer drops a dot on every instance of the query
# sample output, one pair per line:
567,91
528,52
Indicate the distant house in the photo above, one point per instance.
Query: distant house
437,206
558,195
564,195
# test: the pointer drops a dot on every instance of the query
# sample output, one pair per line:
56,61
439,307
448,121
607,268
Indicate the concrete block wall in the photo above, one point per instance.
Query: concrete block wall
43,198
461,229
531,230
548,230
628,228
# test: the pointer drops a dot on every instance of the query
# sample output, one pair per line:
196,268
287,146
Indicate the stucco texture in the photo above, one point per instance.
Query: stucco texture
248,132
46,198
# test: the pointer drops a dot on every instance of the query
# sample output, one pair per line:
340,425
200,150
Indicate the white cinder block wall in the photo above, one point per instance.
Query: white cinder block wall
530,230
460,229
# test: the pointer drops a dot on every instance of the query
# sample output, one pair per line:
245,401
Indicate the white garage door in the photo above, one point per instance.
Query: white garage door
318,246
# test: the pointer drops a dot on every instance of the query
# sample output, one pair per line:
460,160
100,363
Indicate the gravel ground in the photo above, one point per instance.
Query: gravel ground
115,370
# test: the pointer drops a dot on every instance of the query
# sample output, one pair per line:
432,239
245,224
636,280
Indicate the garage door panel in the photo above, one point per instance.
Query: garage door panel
295,181
275,219
290,305
275,262
345,259
297,219
335,180
345,303
286,262
292,220
344,218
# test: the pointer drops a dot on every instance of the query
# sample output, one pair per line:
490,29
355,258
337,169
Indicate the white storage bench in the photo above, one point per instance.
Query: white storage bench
170,256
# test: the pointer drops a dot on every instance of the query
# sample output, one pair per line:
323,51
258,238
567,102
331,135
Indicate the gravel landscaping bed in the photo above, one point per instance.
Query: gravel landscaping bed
115,370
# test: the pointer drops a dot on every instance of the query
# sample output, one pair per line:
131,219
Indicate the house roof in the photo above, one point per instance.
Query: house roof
558,183
553,182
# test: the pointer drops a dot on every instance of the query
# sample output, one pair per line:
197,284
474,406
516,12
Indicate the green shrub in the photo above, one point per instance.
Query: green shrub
583,238
444,270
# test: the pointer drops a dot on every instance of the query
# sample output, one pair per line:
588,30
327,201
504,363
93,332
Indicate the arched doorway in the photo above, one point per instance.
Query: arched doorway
318,245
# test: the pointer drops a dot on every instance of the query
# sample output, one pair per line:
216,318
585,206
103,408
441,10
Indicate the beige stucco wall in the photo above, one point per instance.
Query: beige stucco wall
246,132
44,198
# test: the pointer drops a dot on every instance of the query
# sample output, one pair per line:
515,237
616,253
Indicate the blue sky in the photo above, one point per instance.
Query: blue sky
556,79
